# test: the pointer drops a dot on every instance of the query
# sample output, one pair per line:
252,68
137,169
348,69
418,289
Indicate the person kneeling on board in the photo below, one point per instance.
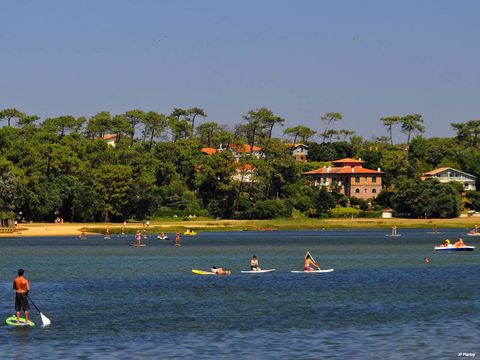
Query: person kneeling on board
309,263
21,286
254,264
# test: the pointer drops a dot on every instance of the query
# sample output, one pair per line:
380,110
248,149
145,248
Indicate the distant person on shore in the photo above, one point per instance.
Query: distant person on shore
254,264
309,263
21,286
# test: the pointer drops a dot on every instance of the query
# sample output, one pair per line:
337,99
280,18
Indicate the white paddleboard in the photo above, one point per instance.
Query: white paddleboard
257,271
390,235
311,272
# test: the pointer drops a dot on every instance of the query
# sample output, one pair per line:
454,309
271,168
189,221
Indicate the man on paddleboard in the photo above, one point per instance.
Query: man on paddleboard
254,264
21,286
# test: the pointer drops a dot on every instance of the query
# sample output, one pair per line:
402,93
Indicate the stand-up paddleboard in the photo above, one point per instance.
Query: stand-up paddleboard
454,248
257,271
12,321
311,272
107,238
137,245
393,235
201,272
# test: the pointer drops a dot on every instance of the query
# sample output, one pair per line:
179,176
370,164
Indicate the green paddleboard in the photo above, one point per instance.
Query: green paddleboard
12,321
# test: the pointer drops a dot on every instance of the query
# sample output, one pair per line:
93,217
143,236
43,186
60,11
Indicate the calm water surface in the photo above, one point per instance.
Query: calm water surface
108,300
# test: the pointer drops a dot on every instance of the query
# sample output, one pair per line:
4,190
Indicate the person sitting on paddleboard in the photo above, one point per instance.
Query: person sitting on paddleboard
21,286
446,242
219,270
254,264
309,263
459,242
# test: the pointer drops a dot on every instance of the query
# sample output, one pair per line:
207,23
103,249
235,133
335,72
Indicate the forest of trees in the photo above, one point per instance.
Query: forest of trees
61,167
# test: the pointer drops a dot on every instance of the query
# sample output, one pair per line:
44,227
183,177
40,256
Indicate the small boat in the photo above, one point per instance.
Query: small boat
136,245
190,233
257,271
311,272
454,248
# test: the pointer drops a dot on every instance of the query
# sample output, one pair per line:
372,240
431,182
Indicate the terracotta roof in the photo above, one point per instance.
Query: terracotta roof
343,170
109,136
349,160
436,171
245,167
246,148
209,151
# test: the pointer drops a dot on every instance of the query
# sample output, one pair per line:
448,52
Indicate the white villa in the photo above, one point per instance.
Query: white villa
447,174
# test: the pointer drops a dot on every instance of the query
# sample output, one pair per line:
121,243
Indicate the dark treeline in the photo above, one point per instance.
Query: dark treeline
63,167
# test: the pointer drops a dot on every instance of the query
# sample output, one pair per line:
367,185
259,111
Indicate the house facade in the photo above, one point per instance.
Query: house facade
447,174
353,179
300,152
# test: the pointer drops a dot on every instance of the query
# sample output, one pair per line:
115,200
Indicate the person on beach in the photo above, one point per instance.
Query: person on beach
21,285
309,263
219,271
254,264
177,238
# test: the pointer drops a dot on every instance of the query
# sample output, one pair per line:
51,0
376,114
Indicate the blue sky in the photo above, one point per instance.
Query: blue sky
365,59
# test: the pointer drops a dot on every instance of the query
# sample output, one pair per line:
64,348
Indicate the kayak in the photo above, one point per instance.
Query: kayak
12,321
201,272
191,233
257,271
454,248
311,272
137,245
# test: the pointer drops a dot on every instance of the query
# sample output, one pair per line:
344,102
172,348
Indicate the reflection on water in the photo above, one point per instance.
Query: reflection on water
105,298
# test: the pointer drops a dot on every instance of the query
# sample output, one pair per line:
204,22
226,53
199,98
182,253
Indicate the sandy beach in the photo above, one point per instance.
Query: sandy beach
73,229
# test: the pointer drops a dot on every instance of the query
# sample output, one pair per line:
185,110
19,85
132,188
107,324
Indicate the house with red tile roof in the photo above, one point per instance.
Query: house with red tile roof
447,174
353,179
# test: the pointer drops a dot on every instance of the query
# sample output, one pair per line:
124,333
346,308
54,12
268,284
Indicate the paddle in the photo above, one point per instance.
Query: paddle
45,321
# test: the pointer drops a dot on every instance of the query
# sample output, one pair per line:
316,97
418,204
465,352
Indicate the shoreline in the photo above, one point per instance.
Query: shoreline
74,229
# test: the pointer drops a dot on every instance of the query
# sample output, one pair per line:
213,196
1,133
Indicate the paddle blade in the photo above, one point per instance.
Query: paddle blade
45,321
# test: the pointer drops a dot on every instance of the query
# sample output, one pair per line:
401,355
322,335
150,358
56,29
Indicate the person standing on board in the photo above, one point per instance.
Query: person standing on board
21,286
177,238
394,230
138,237
309,263
254,264
107,234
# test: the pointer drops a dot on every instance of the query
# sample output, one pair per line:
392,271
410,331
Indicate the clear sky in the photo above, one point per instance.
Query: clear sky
365,59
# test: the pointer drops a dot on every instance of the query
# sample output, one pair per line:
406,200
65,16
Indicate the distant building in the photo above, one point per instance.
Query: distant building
246,149
110,139
245,174
300,152
354,180
447,174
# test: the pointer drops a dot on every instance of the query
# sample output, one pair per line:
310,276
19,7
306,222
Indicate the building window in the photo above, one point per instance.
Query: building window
357,191
374,179
374,191
357,179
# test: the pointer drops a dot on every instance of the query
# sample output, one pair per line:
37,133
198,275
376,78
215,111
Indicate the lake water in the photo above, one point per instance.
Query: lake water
108,300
